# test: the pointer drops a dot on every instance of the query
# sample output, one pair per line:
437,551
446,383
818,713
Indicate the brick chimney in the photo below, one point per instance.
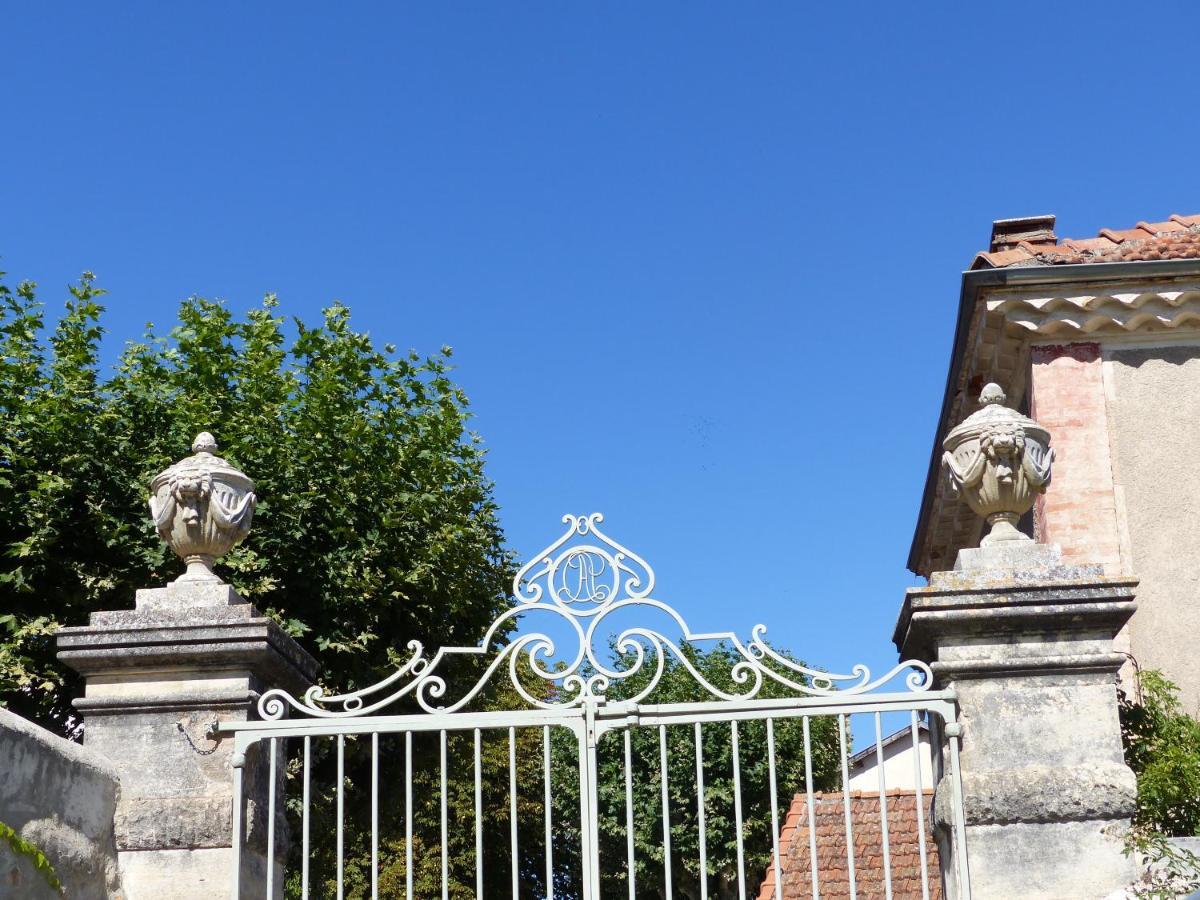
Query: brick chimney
1035,230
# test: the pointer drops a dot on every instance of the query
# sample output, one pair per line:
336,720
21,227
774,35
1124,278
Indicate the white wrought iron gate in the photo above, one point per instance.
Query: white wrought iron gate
637,764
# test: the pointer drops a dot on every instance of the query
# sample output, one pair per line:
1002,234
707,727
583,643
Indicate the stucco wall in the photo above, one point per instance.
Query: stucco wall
60,797
1154,416
898,768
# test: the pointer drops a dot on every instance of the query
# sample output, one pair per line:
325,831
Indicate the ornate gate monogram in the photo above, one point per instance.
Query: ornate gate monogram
597,666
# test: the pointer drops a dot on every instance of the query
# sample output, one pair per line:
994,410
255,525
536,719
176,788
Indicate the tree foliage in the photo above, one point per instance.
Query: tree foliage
1162,746
375,525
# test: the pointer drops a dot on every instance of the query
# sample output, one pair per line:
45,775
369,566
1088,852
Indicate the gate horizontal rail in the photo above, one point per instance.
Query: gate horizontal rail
940,702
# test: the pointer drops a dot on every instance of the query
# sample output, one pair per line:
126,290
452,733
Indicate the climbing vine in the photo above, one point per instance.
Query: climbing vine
31,852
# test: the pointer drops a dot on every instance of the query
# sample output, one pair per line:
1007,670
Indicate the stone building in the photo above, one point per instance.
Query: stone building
1099,340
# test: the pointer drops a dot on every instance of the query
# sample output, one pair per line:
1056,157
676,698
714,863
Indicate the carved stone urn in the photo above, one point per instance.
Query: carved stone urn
202,508
999,461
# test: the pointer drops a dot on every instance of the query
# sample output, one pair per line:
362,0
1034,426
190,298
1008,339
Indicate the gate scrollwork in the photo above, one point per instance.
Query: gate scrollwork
583,579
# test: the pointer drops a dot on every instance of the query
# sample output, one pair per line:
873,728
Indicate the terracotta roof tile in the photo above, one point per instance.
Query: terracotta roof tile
833,874
1096,243
1158,227
1178,237
1002,258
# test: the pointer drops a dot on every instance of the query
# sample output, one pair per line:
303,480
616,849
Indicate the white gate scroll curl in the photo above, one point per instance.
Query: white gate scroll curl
584,584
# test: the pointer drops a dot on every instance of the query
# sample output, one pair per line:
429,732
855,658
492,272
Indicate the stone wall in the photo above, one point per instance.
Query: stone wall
62,798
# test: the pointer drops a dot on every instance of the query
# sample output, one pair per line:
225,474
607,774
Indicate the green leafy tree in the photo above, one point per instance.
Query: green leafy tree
1162,746
375,525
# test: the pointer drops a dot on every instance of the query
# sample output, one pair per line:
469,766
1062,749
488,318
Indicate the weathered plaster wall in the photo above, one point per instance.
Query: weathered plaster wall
899,771
62,798
1154,411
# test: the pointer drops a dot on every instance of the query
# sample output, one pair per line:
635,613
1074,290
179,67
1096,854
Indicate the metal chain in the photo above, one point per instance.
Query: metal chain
211,730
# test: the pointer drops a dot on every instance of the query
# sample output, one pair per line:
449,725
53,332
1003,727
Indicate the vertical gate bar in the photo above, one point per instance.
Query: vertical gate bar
547,801
846,805
774,808
629,812
238,761
916,751
960,827
273,748
375,816
512,811
737,812
341,805
700,812
408,816
666,809
478,814
812,815
588,804
593,766
445,829
304,821
883,823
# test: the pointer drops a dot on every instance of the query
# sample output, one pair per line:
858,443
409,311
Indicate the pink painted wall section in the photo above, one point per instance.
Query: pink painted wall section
1079,509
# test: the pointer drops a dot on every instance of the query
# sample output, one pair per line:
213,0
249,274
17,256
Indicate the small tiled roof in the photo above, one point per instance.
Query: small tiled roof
1032,242
833,874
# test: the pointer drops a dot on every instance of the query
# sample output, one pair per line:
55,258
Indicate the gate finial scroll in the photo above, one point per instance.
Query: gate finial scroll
582,580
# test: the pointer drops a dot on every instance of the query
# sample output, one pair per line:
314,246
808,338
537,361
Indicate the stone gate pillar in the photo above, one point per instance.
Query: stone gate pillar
1027,644
158,677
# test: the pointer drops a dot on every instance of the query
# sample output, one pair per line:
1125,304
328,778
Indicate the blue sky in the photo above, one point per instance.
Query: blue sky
699,263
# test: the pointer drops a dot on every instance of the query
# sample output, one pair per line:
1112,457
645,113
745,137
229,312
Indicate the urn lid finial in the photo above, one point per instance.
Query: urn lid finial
205,443
991,395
